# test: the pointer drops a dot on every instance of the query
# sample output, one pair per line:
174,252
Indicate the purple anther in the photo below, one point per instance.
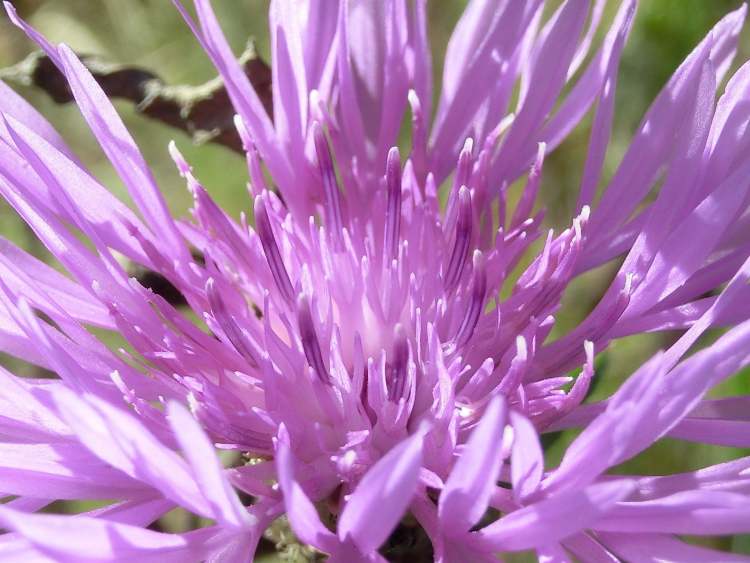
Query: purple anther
330,186
461,178
398,365
271,249
476,304
309,339
462,241
227,323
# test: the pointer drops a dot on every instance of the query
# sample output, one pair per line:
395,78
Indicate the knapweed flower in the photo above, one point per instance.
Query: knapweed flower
355,344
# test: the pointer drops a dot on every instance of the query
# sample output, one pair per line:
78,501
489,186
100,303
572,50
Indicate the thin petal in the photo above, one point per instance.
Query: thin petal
122,441
649,405
14,105
242,94
81,538
302,514
122,152
654,548
62,471
467,491
689,512
94,207
206,468
381,498
527,458
554,518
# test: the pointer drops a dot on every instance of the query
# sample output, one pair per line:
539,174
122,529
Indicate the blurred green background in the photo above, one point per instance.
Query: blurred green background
150,34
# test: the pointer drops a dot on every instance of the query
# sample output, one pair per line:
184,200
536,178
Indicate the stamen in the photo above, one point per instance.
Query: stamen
271,250
530,191
330,186
478,293
462,241
213,219
465,161
393,205
398,366
462,177
227,323
309,339
317,107
419,135
494,136
581,386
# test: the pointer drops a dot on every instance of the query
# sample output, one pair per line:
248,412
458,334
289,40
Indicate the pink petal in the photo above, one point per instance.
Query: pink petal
122,152
654,548
527,458
467,490
554,518
302,514
206,468
81,538
119,439
381,498
62,471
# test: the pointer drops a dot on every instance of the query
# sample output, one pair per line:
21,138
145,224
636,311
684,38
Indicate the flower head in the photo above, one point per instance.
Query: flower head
372,353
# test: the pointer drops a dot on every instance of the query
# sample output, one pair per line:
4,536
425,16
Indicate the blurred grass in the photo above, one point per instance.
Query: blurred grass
149,33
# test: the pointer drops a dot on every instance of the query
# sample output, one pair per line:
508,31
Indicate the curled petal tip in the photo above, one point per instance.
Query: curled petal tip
182,165
10,9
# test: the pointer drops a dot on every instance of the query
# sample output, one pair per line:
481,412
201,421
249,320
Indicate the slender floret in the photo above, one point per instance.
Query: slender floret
374,360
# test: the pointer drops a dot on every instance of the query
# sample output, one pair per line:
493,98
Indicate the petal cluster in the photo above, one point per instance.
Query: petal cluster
375,344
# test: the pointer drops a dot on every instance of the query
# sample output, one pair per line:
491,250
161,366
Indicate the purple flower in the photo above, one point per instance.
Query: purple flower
357,348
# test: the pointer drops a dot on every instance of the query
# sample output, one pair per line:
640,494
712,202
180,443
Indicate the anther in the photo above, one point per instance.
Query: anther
309,338
398,365
328,176
462,241
271,250
478,294
227,323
